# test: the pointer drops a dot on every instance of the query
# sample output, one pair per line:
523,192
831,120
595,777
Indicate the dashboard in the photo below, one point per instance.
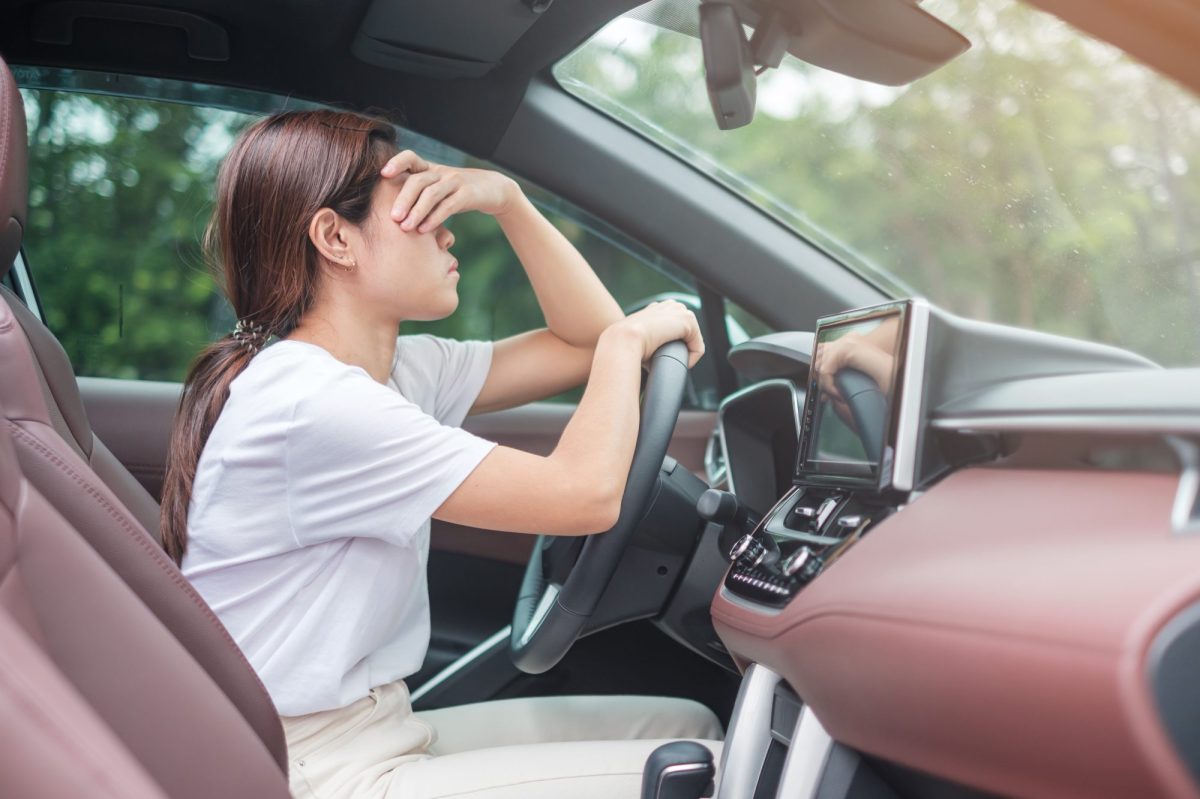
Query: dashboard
966,562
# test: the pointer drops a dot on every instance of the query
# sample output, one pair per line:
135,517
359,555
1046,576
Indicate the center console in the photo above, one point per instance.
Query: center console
857,451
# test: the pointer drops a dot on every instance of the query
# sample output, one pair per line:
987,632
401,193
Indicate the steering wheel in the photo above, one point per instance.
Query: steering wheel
551,609
868,407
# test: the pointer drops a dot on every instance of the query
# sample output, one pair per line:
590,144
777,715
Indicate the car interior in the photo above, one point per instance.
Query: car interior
903,546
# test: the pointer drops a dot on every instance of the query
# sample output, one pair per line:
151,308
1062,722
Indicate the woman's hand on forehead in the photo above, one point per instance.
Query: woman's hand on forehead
431,193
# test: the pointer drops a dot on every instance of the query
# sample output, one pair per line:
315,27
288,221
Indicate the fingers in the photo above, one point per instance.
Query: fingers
431,195
406,161
448,206
413,186
694,340
670,320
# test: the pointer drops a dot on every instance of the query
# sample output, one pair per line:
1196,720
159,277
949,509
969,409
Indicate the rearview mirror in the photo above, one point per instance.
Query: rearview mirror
728,65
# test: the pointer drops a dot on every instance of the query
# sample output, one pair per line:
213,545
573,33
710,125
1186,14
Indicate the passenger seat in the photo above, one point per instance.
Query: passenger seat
52,744
44,419
183,731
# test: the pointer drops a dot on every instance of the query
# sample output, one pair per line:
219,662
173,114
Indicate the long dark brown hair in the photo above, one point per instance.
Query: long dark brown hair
280,172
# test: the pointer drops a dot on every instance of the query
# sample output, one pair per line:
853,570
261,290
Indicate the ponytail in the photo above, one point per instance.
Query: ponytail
280,172
204,395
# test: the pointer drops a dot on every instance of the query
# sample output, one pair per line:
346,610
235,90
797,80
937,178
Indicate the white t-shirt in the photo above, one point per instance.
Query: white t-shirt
308,529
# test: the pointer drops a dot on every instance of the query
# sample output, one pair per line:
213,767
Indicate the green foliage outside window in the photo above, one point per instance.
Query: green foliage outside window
1041,179
121,191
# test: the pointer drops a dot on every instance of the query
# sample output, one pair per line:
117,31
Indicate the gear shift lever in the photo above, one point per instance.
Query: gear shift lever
678,770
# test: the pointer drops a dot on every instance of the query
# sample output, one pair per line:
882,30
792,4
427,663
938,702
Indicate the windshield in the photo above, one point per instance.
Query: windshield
1042,179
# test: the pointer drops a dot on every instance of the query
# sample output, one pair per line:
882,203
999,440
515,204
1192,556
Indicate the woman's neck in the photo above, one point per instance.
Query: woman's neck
352,339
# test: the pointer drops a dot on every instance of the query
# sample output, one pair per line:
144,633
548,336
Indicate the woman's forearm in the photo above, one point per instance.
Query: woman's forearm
597,444
577,306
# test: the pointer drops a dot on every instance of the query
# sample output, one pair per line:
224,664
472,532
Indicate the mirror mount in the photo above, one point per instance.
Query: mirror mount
770,41
890,42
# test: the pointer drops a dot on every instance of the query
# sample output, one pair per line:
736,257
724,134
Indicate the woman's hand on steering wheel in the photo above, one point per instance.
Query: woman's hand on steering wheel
660,322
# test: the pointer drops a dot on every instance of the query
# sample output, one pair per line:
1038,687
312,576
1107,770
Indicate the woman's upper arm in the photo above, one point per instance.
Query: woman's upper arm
529,367
362,461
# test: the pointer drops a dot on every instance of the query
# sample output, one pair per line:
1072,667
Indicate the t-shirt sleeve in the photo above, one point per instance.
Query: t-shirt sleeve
442,375
363,461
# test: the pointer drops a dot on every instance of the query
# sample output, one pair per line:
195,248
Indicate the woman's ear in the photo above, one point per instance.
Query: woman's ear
328,233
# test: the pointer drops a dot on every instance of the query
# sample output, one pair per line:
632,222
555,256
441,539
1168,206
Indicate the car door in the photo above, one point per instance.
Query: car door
120,191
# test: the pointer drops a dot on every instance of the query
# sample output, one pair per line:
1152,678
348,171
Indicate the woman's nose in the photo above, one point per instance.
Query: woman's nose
445,238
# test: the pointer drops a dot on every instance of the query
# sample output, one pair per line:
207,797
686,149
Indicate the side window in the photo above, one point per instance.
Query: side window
120,192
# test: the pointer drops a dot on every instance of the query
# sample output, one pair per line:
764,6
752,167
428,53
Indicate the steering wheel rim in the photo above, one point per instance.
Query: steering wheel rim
548,618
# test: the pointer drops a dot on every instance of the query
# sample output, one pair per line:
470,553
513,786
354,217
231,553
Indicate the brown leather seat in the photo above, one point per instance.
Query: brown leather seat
87,486
166,711
54,744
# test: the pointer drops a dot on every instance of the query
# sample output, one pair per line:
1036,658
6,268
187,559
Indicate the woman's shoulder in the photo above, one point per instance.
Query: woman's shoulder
295,373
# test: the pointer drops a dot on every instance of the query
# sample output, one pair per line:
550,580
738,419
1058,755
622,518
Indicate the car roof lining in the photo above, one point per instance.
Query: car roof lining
302,49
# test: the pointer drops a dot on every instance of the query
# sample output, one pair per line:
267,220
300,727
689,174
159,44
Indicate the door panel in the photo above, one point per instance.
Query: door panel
133,418
474,574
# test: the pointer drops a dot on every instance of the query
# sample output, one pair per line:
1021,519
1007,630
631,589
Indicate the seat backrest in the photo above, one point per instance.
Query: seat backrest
164,708
71,478
60,475
52,744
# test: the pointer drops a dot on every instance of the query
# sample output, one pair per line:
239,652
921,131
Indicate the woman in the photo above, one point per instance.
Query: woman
303,475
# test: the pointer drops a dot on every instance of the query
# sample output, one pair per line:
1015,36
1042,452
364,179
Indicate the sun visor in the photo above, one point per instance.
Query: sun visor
443,39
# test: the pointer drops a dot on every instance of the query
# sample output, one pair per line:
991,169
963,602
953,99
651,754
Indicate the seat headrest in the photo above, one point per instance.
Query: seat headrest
14,169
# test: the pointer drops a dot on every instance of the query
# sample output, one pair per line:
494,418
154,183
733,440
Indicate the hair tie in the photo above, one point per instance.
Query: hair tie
250,335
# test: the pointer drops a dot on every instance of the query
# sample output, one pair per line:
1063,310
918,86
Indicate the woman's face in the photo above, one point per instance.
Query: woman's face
407,274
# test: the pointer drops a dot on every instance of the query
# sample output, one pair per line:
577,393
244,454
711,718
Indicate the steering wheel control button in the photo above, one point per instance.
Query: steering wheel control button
717,506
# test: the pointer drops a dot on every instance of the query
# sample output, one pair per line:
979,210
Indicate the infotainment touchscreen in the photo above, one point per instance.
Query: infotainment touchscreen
849,408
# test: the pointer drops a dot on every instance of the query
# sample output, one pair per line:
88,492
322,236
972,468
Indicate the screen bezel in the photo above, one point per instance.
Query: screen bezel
851,475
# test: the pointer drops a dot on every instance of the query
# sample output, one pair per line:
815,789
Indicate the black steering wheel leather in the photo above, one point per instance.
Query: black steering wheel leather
868,407
549,617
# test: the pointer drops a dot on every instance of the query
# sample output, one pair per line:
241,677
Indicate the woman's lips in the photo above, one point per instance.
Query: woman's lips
453,265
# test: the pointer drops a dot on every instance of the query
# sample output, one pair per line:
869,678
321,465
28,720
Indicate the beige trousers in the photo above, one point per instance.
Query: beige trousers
582,747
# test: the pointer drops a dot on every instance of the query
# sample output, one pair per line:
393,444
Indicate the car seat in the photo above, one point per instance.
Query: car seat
162,706
45,421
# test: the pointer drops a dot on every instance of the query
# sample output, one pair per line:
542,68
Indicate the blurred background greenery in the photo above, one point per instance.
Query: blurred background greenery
1041,180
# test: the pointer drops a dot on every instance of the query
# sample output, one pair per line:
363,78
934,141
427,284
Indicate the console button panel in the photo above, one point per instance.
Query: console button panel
803,534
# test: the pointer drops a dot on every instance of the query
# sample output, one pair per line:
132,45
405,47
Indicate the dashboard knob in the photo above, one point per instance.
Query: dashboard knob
744,545
795,561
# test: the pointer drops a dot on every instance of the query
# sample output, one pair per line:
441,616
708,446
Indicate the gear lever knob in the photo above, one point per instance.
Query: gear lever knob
678,770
